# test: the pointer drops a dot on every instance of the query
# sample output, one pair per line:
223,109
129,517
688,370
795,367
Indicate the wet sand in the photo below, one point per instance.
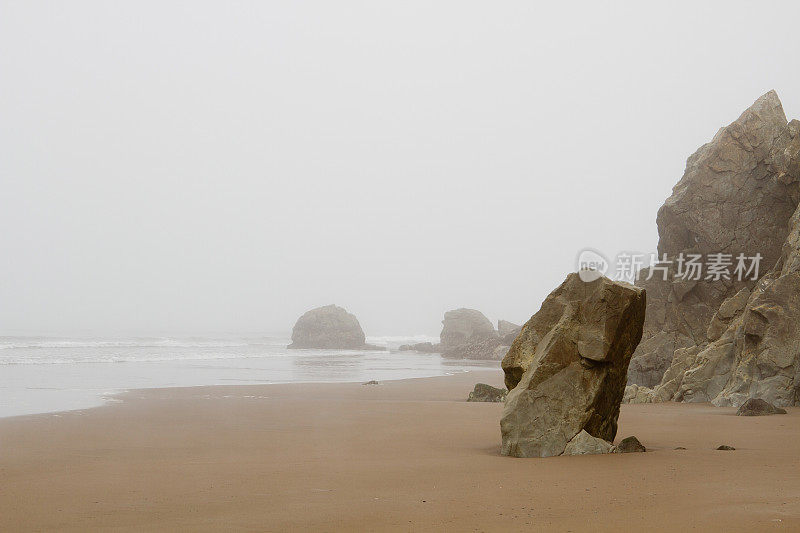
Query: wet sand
403,455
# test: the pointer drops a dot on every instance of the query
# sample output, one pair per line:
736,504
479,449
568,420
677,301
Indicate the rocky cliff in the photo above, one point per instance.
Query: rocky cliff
725,340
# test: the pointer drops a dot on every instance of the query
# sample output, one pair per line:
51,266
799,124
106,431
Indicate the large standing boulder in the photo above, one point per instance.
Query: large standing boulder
566,370
468,334
735,338
329,327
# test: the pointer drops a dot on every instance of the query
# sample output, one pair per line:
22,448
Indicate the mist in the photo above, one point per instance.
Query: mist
214,167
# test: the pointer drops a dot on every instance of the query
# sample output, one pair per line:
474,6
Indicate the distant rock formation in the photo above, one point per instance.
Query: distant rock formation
468,334
723,340
507,331
425,347
566,369
329,327
461,326
486,393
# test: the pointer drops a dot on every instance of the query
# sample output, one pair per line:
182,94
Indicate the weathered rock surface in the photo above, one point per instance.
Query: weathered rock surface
654,355
726,341
500,352
765,358
629,445
758,407
481,349
755,357
486,393
329,327
566,369
585,444
725,447
637,394
507,331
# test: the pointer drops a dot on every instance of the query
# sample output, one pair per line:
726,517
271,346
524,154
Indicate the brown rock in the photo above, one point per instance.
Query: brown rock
566,369
637,394
758,407
585,444
482,349
736,196
486,393
629,445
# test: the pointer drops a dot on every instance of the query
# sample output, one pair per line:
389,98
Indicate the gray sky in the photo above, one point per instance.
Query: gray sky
207,167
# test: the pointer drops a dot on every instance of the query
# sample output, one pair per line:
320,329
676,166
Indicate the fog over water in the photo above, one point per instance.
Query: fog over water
224,167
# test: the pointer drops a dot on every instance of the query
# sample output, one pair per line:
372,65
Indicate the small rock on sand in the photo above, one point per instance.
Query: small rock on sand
585,444
629,445
759,407
486,393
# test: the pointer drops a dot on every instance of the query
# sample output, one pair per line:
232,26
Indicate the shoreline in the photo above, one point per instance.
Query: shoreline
115,396
406,454
44,387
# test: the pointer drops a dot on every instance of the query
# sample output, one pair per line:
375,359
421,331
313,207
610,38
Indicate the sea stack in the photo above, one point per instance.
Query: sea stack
329,327
567,368
468,334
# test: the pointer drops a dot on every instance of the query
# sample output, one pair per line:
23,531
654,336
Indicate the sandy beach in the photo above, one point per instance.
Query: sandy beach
402,455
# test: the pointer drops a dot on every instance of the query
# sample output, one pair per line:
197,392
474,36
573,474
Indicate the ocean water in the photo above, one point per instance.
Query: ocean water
49,374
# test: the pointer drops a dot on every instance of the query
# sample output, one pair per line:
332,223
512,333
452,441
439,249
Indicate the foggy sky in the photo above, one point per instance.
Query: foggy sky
224,167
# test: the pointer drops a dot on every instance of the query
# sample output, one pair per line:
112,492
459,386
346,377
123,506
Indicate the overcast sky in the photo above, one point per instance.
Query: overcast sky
225,166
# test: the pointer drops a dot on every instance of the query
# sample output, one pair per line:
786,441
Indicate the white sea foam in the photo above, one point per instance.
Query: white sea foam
397,340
